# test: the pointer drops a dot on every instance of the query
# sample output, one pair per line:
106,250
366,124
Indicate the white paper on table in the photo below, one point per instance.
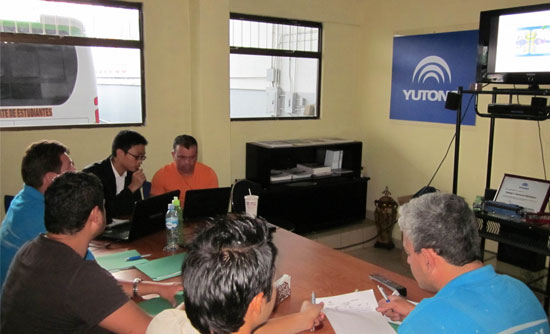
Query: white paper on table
355,313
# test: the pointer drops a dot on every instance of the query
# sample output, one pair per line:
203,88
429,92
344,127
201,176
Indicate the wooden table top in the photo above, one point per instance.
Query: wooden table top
311,265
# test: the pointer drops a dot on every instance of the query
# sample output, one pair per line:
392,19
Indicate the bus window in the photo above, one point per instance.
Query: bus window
37,75
94,76
46,84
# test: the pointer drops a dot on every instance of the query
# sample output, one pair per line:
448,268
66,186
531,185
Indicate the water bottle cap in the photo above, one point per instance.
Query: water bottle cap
176,201
170,206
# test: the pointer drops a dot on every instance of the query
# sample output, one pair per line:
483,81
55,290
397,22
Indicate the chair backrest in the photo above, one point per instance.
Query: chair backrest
7,201
240,189
244,187
146,189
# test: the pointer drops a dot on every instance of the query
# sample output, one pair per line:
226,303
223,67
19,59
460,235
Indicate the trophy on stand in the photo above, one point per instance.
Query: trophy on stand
385,217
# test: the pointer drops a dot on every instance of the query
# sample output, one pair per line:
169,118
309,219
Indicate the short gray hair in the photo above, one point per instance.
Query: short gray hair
444,223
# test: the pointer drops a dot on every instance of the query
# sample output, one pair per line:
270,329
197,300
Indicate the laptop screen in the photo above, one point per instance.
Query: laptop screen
203,203
147,218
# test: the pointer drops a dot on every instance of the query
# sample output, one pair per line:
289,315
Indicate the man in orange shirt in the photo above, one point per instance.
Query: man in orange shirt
184,173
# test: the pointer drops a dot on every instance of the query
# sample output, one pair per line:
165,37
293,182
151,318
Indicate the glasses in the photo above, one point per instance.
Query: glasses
138,157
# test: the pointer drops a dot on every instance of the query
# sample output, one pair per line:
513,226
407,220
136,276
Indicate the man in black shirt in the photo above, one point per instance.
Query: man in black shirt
51,288
121,174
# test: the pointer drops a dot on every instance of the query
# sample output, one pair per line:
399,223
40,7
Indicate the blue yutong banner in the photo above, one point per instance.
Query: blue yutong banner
425,68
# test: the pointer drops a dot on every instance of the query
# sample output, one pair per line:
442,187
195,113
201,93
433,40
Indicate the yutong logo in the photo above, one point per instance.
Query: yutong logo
431,68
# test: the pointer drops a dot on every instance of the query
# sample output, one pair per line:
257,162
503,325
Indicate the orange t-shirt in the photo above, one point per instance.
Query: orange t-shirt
168,179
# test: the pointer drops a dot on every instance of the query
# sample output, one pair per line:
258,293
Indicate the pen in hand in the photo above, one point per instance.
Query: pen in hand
383,293
313,301
137,257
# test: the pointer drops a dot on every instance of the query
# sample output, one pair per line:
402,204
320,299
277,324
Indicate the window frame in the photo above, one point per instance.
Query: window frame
282,53
88,42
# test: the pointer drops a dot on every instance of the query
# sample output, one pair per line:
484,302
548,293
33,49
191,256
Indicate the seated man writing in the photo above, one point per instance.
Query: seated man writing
51,288
228,278
441,240
184,173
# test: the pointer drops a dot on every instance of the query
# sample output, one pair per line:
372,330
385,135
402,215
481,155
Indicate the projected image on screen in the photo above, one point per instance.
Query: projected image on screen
523,43
533,41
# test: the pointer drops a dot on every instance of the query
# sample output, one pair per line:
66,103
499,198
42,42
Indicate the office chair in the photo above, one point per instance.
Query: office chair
7,201
146,189
240,189
245,187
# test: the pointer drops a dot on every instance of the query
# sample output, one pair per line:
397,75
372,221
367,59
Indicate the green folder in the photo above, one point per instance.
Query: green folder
156,305
117,261
163,268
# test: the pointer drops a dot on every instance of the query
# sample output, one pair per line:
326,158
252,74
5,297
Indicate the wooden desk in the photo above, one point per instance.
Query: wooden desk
312,267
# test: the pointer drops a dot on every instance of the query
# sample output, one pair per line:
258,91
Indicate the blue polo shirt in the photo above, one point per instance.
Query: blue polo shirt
480,301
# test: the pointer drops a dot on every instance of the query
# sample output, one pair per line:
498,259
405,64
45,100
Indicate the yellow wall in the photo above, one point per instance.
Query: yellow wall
187,88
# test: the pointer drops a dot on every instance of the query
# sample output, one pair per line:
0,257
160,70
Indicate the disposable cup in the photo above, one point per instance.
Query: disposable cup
251,205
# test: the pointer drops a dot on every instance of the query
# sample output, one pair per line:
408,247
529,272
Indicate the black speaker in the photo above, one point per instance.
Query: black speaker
452,100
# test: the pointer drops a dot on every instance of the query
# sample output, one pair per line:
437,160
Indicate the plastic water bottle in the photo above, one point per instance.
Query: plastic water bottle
177,207
171,229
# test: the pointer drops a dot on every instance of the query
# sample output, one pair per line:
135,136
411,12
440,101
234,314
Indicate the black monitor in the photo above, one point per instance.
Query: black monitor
514,46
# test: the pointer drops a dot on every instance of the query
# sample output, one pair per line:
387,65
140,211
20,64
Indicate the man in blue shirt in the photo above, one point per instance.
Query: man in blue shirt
42,162
441,240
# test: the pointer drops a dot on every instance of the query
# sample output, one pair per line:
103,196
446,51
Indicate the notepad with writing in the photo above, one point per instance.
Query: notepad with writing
117,261
355,313
163,268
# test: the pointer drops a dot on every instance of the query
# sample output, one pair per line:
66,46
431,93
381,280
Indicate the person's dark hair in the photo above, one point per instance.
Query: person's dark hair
125,139
185,141
69,200
444,223
227,266
40,158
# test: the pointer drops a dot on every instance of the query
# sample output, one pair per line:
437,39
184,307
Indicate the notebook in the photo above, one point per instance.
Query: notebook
147,218
163,268
203,203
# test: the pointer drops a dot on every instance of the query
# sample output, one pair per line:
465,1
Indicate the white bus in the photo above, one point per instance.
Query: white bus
46,84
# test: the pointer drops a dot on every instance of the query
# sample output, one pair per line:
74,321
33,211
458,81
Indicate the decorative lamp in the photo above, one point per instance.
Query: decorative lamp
385,217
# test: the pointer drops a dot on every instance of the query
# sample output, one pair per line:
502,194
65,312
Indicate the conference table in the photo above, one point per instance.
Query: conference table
312,267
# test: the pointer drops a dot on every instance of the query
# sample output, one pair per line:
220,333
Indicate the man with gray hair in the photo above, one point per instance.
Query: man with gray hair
440,237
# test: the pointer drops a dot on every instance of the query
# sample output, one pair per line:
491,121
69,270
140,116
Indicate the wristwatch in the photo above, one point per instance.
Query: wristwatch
135,291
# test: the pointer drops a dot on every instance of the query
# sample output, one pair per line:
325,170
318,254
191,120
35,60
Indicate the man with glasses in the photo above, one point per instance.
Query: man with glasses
121,174
184,173
43,161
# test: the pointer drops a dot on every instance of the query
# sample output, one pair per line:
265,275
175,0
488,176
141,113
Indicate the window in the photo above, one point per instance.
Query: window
275,68
71,63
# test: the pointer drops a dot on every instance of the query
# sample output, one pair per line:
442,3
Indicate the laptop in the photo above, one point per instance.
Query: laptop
202,203
147,218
